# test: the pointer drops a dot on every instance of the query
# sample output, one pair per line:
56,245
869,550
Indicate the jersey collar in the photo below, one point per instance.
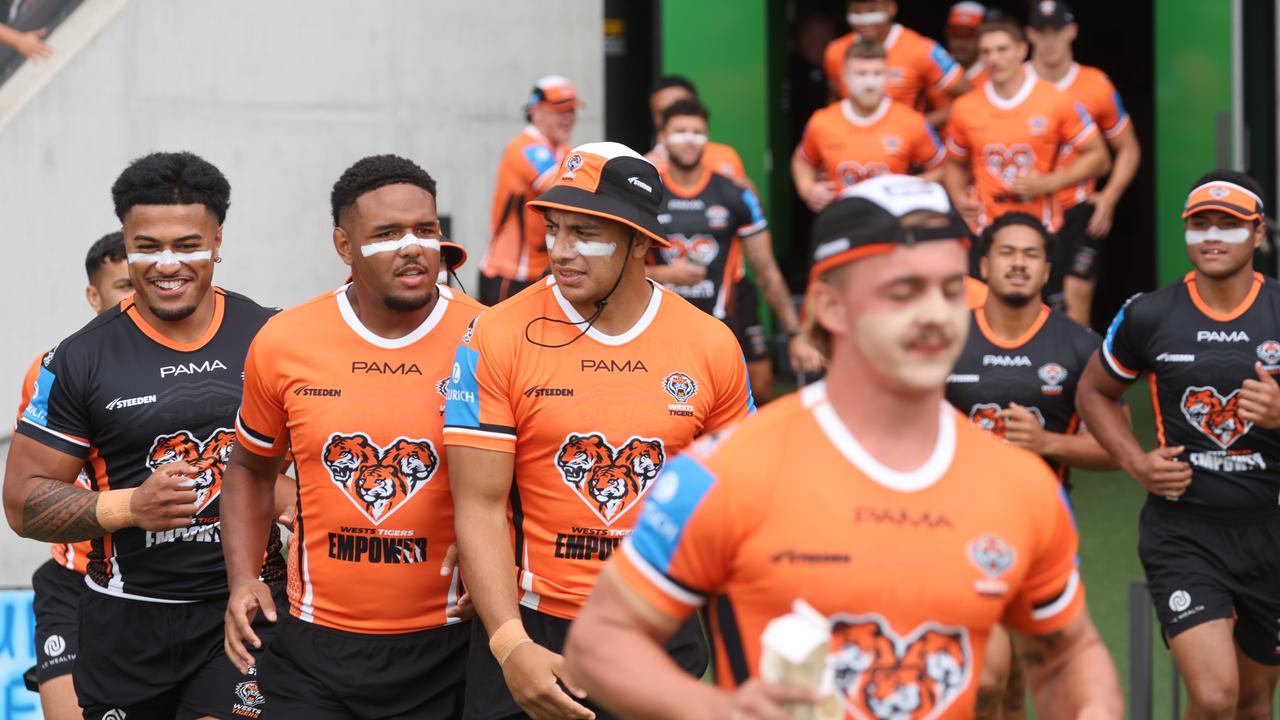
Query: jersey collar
846,106
1023,93
891,39
646,319
980,316
349,316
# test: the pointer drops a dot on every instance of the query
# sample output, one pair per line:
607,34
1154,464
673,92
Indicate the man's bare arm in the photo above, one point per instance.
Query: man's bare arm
1070,672
40,500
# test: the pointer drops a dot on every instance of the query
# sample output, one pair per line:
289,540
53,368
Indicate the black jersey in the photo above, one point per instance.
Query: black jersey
1038,371
127,400
1197,360
705,226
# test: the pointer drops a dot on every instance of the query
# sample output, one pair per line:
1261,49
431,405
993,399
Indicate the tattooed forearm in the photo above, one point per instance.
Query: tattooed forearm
56,511
1036,649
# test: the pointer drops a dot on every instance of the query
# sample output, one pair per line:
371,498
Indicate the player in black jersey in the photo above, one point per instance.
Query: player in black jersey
154,426
1210,529
1017,378
712,223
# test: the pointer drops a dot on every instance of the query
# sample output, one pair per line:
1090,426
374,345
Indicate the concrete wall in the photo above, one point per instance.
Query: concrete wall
282,96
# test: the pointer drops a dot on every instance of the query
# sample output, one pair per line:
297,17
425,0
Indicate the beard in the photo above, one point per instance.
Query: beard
1017,299
409,303
173,314
675,161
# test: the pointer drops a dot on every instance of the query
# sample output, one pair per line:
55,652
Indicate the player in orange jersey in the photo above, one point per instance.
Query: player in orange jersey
565,403
1087,209
59,582
917,65
963,21
910,531
1006,138
864,135
719,157
517,253
347,380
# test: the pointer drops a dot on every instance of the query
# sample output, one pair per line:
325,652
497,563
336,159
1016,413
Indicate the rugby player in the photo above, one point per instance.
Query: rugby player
1209,345
867,496
719,157
963,21
564,404
153,429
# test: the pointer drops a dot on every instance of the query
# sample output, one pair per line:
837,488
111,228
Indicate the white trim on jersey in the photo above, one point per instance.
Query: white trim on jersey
120,593
349,315
846,108
55,433
1062,602
479,433
923,477
655,300
662,582
989,89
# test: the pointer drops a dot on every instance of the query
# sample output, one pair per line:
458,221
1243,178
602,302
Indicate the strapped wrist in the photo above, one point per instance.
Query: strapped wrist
113,509
509,636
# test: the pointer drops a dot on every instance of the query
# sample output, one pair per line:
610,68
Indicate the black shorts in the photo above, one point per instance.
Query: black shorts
745,321
321,673
147,660
494,290
488,697
1075,253
57,607
1202,567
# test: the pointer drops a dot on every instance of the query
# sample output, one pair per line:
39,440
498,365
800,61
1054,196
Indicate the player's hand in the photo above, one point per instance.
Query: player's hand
32,44
683,272
166,499
1023,428
1032,185
246,600
820,196
804,357
759,700
463,610
1260,400
1160,474
1104,211
532,672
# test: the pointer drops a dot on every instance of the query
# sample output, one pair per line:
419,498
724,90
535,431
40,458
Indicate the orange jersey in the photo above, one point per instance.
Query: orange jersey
518,245
1002,140
1090,87
73,556
363,414
916,65
590,423
851,148
717,157
912,568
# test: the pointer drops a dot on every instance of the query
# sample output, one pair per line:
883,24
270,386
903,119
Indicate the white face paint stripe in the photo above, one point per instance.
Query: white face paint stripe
688,137
398,245
1234,236
168,257
587,248
869,18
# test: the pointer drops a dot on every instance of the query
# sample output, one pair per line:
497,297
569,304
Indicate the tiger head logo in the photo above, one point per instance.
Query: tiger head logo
609,481
880,674
208,456
680,386
990,417
1269,352
1008,163
378,480
249,694
1216,416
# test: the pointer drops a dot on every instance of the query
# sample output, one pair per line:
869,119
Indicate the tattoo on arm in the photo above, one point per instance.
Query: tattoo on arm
1038,647
56,511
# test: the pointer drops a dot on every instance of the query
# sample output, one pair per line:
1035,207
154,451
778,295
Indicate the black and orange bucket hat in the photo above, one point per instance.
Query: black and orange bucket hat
555,93
1225,196
608,180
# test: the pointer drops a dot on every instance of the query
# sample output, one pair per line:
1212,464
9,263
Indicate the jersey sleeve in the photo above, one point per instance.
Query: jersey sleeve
808,150
734,400
1112,119
957,135
926,147
478,410
748,213
1052,594
681,549
261,423
833,62
540,164
1077,124
1124,348
940,69
28,387
57,415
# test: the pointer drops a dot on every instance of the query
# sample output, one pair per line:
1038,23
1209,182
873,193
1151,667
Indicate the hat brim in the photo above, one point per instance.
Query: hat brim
1226,207
572,199
453,254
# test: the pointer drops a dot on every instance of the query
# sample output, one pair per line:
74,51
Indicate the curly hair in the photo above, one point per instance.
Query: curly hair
172,178
370,173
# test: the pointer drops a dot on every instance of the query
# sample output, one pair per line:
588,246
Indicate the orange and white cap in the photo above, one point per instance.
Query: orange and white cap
966,15
608,180
555,93
1225,196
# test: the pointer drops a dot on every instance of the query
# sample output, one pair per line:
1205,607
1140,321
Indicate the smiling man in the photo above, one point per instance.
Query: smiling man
564,404
1208,534
153,429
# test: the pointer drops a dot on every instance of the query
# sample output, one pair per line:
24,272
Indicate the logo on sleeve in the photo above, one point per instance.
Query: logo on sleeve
209,456
471,330
378,480
1216,416
884,675
609,481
